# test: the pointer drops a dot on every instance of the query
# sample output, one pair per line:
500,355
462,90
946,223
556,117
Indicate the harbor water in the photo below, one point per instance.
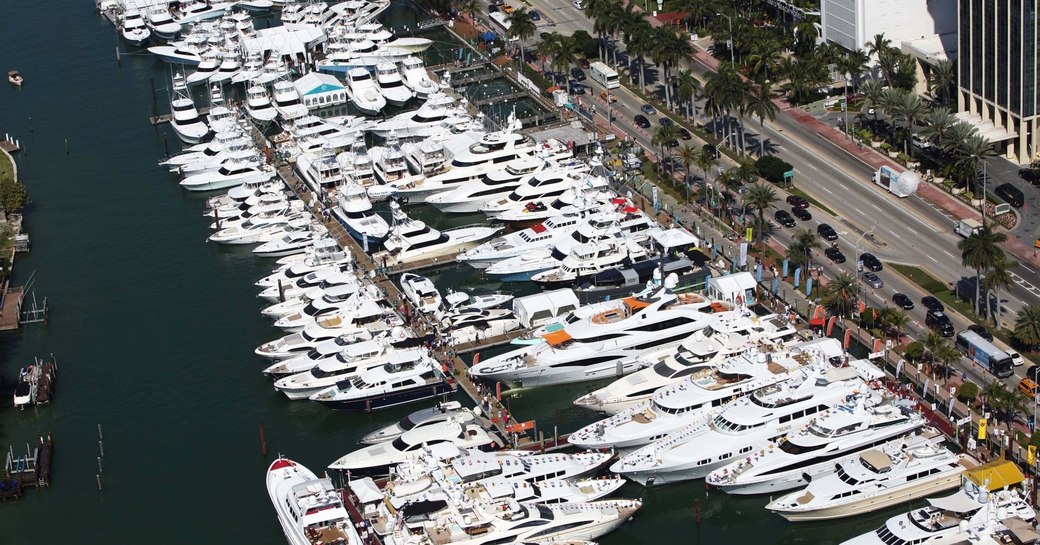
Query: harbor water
154,329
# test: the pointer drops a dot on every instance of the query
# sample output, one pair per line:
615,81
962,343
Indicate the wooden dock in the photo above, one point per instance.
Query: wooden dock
31,470
11,308
9,145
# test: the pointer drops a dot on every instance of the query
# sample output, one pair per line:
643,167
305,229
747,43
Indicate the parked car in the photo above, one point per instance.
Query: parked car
798,202
665,121
873,280
1016,358
981,331
576,87
1011,194
576,4
535,16
492,8
783,217
685,134
578,74
939,321
833,253
641,121
931,303
1033,372
648,109
903,301
801,213
1030,175
870,262
673,164
584,63
708,148
826,232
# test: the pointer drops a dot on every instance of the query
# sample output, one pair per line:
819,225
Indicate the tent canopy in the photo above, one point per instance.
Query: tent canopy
366,490
956,503
488,36
999,474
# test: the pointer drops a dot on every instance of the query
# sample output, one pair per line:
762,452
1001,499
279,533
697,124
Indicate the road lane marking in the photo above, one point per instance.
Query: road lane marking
932,258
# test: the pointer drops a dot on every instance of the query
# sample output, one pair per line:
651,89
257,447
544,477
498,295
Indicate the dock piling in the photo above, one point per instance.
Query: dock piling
100,470
117,56
101,447
98,476
101,437
66,146
155,108
263,442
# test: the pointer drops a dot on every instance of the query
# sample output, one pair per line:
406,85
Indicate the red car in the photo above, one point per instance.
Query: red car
797,202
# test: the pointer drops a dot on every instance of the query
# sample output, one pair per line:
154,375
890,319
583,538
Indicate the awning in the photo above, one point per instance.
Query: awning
488,36
996,475
876,459
557,337
366,490
635,304
956,503
986,128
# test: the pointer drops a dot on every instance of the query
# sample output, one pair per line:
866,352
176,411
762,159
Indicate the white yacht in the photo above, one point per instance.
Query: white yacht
230,65
438,116
208,64
417,78
441,412
321,171
258,104
372,314
729,336
252,69
584,261
134,30
390,84
220,142
412,240
294,345
407,376
460,300
291,243
421,292
346,364
239,152
325,257
849,428
185,120
319,278
253,232
607,344
381,36
592,194
445,437
389,164
477,153
187,52
287,101
469,197
309,509
229,175
545,187
746,425
540,236
339,284
986,492
354,211
709,388
874,479
339,301
425,158
363,92
197,11
161,22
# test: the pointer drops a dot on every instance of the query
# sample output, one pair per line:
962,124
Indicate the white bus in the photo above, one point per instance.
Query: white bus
605,75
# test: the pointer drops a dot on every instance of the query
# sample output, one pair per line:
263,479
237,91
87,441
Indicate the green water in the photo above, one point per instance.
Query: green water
155,329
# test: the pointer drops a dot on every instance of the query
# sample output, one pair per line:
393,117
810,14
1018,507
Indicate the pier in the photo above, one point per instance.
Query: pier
31,470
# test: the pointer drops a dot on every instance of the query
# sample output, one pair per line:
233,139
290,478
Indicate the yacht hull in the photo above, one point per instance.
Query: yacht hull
875,503
544,375
388,399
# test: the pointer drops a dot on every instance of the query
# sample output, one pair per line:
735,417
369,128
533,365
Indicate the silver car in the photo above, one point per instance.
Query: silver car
873,280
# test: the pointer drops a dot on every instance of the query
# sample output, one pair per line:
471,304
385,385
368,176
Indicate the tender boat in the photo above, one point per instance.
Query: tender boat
441,412
416,77
874,479
747,425
27,387
421,292
407,376
390,84
15,78
309,509
363,93
412,240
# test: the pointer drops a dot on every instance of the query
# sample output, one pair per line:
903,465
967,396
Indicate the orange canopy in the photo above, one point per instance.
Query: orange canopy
557,337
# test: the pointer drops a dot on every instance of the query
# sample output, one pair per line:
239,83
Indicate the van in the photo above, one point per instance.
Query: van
1011,194
940,322
1028,387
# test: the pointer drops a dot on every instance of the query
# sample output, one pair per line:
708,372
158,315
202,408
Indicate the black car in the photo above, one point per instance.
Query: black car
578,74
801,213
982,332
871,263
641,121
1033,372
939,321
535,16
492,8
932,304
708,148
1011,194
1030,175
903,301
666,121
685,134
834,254
826,232
576,87
783,217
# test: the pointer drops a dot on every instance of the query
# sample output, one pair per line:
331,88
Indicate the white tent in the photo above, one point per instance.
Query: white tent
536,310
366,490
285,41
736,288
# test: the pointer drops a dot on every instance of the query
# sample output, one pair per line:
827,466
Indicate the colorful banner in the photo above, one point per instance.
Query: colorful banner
982,429
747,234
1031,458
743,254
848,338
830,324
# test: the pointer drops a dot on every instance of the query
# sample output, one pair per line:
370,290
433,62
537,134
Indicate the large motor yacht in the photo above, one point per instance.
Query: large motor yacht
441,412
364,93
747,425
540,236
258,104
185,120
607,344
728,336
134,29
529,176
439,115
348,363
416,78
445,438
412,240
406,376
354,211
585,261
287,101
391,85
233,173
309,509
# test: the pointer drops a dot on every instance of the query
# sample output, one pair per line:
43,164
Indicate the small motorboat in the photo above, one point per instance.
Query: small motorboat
15,78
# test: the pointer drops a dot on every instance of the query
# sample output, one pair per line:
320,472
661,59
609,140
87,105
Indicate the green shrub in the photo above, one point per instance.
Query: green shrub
914,351
586,44
772,168
967,392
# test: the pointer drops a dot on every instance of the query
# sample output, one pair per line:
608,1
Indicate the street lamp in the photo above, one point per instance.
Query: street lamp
730,19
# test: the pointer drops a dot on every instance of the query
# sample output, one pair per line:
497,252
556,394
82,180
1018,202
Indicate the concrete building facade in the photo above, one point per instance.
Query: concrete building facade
853,23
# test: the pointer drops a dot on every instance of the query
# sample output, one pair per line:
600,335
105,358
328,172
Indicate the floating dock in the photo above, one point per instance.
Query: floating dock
31,470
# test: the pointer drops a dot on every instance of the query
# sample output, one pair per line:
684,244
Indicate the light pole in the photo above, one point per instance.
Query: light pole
730,19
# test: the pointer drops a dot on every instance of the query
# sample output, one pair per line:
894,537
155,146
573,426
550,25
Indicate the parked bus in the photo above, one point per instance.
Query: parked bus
984,353
605,75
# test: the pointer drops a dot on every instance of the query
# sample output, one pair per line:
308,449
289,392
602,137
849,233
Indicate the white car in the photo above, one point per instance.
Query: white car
577,4
1016,358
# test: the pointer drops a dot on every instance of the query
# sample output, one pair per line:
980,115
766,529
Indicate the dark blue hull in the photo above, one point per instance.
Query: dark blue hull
390,399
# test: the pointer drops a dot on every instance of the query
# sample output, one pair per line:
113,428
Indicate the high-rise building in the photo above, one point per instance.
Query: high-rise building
997,75
853,23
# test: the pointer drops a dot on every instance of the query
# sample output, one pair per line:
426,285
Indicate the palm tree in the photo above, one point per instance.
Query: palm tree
853,64
841,295
998,278
911,109
873,93
760,196
688,156
941,79
746,172
948,355
895,320
602,13
937,123
1027,326
668,49
665,136
707,162
641,43
804,243
689,89
520,25
764,61
759,103
970,153
469,7
980,251
724,90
